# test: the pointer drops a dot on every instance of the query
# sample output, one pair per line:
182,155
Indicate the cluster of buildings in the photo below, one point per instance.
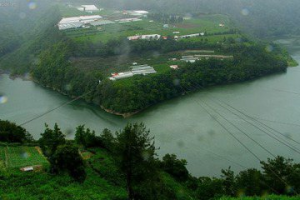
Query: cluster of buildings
191,35
194,58
96,20
144,37
135,70
157,36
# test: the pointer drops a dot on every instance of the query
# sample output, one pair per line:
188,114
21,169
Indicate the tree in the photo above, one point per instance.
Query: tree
175,167
67,158
228,181
10,132
251,181
135,153
79,135
209,188
107,140
49,143
86,137
280,173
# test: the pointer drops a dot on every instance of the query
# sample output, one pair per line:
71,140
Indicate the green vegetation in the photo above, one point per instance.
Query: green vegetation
124,165
10,132
22,156
62,61
41,185
250,60
94,58
269,197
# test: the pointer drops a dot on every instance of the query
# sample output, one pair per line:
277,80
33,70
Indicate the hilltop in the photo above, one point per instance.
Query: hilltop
112,43
125,61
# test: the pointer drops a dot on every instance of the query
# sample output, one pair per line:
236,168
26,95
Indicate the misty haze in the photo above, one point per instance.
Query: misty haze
149,99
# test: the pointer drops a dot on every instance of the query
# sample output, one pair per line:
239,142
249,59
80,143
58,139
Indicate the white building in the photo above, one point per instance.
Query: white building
135,37
127,20
89,18
77,22
121,75
135,70
27,169
174,67
142,69
189,59
88,8
65,26
101,22
150,37
144,37
191,35
137,12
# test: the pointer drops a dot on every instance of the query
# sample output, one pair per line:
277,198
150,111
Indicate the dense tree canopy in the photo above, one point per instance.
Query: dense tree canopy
135,152
10,132
67,158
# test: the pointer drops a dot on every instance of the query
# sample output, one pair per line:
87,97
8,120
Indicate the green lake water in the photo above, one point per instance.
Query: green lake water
182,126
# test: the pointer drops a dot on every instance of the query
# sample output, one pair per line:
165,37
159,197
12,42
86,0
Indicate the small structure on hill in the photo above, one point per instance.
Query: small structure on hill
174,67
140,13
88,8
27,169
31,168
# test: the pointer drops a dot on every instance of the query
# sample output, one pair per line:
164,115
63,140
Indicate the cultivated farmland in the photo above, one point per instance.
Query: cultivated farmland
21,156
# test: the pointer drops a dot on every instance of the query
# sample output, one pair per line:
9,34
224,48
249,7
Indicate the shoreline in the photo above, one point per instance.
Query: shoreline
124,115
13,77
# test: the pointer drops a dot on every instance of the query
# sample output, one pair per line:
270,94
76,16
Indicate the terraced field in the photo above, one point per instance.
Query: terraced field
21,156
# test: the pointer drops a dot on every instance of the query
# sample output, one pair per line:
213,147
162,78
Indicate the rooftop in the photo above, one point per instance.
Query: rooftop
88,8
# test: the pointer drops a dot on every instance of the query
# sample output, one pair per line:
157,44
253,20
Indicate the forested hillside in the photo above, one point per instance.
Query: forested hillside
26,30
139,92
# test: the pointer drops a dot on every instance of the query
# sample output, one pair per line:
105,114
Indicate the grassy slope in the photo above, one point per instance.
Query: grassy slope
41,185
19,185
103,181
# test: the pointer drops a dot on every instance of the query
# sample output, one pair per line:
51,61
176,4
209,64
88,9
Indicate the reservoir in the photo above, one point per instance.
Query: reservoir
192,126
